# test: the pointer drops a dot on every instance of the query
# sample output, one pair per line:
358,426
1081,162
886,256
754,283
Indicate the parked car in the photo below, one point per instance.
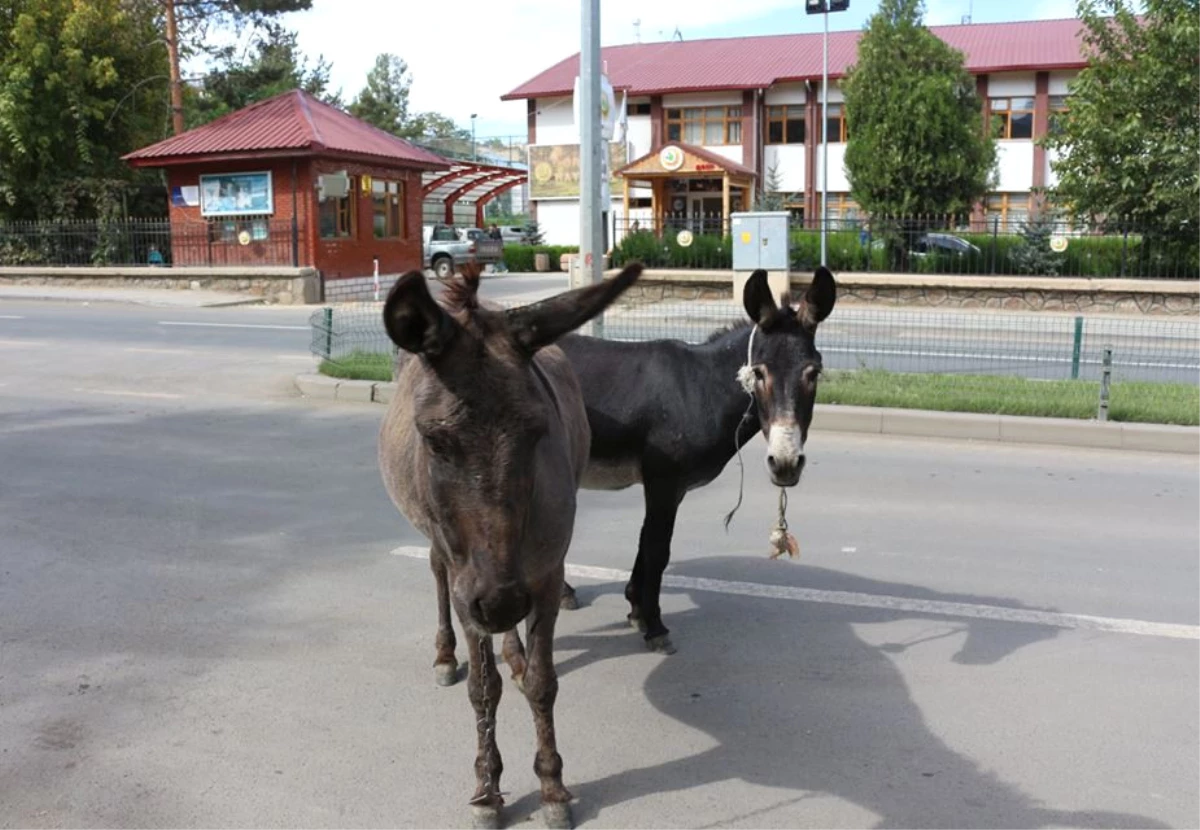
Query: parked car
446,250
943,243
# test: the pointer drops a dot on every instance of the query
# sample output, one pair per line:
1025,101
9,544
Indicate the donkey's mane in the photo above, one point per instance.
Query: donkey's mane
724,330
461,292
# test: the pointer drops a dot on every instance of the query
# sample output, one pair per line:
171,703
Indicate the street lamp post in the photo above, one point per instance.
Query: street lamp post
474,155
824,7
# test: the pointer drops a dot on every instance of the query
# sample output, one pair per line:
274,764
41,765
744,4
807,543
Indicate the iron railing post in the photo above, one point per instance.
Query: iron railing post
1077,347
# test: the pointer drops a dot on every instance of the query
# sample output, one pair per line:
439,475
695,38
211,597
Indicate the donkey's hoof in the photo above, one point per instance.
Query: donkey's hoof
568,601
446,674
485,818
661,644
557,815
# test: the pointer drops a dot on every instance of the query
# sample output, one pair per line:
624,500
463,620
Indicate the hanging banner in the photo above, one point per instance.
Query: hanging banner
554,169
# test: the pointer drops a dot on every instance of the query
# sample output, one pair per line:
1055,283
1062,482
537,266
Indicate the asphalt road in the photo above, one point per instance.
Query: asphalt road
211,615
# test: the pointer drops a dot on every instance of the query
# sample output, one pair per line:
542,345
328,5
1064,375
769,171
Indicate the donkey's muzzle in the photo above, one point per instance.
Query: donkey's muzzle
785,472
499,608
785,454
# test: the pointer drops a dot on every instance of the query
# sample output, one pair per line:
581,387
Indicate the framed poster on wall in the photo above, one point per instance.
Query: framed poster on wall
236,194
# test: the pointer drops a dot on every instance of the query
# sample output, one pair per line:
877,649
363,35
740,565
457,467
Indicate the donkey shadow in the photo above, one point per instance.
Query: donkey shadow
795,700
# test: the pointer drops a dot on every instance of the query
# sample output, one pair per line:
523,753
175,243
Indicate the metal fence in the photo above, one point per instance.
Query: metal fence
985,247
1131,369
249,240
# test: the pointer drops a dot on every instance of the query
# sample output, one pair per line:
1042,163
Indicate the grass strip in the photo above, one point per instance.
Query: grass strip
1129,401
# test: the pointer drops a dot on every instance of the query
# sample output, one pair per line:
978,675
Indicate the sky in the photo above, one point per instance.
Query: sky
464,55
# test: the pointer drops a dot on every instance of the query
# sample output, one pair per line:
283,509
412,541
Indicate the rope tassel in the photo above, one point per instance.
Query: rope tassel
781,540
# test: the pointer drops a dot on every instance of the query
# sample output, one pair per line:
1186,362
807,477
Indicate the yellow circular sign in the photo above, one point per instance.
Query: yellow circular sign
542,172
671,158
244,238
1058,244
684,238
745,237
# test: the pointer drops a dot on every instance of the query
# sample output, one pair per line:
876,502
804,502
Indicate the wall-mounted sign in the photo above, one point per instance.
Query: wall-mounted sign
236,194
365,184
554,169
244,238
671,158
705,165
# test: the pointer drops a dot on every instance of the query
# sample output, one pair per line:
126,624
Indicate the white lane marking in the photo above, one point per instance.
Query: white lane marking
12,317
849,550
129,393
19,343
232,325
888,603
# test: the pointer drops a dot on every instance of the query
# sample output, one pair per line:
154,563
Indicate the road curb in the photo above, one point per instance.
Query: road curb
1009,429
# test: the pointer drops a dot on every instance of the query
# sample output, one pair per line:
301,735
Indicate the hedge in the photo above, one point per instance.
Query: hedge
521,257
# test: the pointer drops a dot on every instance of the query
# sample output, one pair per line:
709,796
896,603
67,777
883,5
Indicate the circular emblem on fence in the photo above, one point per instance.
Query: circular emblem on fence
244,238
684,238
1058,244
671,158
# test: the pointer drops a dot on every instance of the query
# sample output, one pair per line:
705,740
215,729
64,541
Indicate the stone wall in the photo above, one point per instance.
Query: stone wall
283,286
1118,296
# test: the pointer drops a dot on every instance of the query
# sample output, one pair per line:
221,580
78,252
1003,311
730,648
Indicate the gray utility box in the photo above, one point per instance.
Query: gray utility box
760,240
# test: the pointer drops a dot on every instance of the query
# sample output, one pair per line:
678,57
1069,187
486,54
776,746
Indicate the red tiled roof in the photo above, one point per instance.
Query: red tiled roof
294,120
754,62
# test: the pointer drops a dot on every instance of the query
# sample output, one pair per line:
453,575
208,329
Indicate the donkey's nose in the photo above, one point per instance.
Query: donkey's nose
785,472
499,608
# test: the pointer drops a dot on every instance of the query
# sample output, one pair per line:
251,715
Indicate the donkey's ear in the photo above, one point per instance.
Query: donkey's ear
414,320
757,299
818,300
540,324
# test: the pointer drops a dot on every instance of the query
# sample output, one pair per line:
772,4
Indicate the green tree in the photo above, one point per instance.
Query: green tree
78,88
1130,138
274,65
383,102
916,142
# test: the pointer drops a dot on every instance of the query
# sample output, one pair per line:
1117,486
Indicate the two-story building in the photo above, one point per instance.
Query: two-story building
742,113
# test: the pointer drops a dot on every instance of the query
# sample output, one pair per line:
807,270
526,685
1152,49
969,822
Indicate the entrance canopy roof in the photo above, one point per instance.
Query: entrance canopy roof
677,161
469,181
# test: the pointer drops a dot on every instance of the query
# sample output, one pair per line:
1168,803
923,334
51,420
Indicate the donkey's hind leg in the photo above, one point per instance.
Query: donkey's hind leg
569,601
514,655
445,664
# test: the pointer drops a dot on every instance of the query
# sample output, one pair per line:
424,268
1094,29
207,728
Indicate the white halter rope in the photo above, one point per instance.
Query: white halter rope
782,541
745,377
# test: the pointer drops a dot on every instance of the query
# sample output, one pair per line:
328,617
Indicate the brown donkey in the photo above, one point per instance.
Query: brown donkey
483,449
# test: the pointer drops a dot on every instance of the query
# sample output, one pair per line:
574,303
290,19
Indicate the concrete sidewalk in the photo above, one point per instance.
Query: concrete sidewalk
1066,432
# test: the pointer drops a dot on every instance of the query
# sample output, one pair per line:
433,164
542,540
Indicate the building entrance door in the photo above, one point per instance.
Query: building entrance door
705,213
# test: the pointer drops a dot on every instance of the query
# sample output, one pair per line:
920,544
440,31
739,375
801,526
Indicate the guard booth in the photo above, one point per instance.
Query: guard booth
760,240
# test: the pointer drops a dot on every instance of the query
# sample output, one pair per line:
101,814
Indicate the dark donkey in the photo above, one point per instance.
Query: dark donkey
666,414
483,449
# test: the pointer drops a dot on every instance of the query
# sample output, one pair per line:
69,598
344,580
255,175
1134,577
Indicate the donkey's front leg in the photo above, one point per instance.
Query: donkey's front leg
654,553
445,664
484,689
541,689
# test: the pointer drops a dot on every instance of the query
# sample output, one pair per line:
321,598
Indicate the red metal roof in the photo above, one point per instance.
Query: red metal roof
293,121
759,62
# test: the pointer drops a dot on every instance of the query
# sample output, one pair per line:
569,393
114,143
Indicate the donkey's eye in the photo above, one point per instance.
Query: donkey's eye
758,375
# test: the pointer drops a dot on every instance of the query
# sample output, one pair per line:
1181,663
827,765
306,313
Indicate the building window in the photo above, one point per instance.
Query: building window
705,125
639,109
387,209
1058,108
1009,210
336,213
841,208
1013,117
785,124
835,124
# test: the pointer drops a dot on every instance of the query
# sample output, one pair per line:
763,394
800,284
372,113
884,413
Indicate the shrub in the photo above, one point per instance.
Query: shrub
521,257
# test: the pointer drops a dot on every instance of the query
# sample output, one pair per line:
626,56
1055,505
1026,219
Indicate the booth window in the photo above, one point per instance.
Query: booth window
785,124
705,125
387,208
336,212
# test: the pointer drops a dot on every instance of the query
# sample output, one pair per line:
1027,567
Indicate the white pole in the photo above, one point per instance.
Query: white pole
824,135
591,231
